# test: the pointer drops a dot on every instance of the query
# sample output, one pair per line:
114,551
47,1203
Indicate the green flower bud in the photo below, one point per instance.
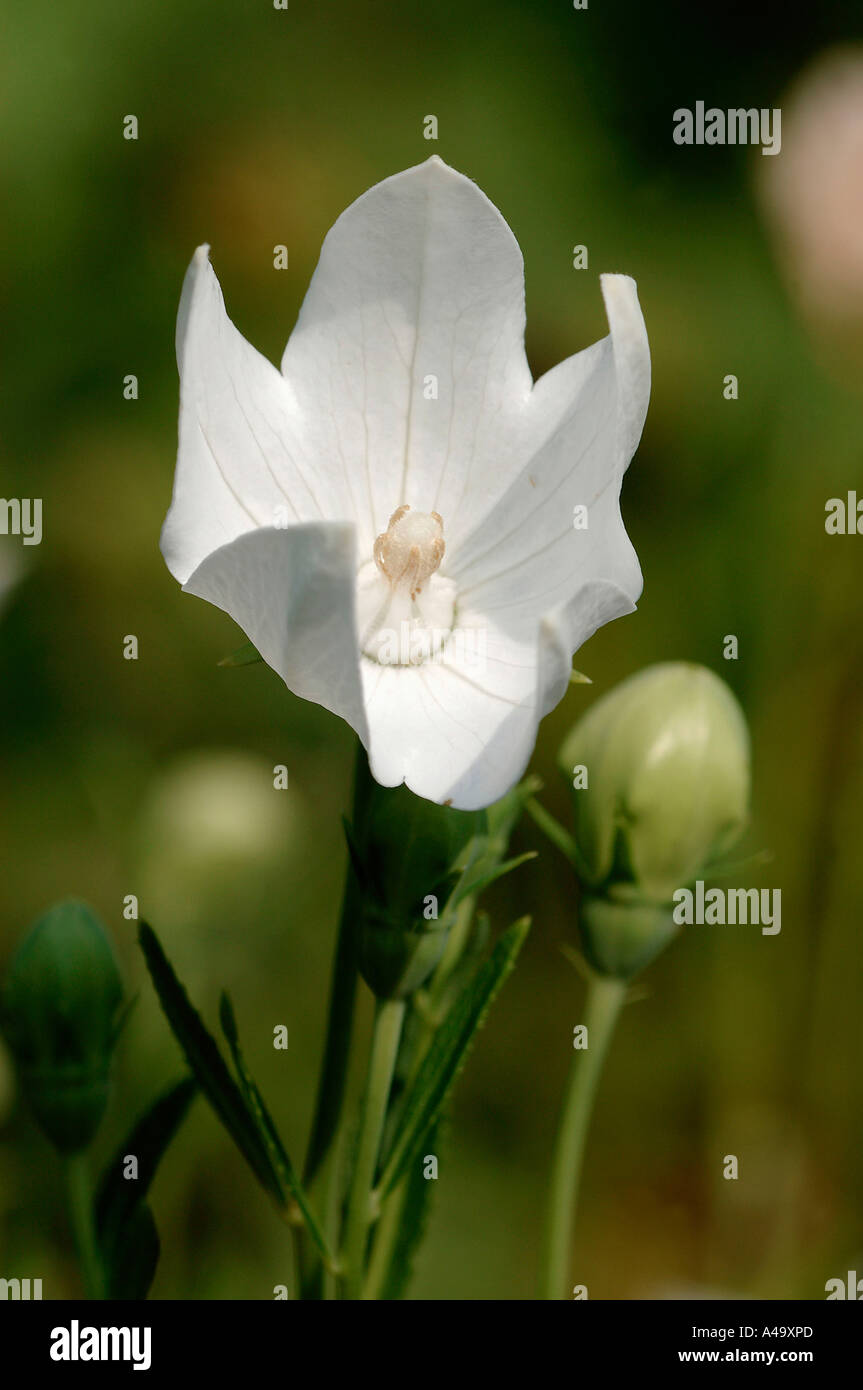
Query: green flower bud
621,935
58,1011
665,757
406,854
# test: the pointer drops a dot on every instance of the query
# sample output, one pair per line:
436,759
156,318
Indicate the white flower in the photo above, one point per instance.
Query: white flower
390,517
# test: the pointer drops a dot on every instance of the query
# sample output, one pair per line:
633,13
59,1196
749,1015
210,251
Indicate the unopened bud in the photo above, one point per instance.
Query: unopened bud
58,1011
668,770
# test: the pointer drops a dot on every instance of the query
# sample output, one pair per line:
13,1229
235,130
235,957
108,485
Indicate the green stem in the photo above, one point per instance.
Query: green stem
322,1170
605,997
387,1231
320,1173
81,1215
385,1042
386,1235
340,1018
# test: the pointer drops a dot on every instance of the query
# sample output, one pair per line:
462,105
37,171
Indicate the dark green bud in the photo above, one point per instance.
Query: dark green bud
59,1013
407,854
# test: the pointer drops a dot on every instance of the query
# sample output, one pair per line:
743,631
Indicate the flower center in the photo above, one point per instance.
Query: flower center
405,608
410,549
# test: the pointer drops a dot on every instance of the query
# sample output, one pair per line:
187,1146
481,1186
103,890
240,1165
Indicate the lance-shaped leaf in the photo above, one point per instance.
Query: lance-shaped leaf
473,882
208,1065
147,1141
447,1054
414,1200
552,828
131,1267
486,862
269,1135
125,1230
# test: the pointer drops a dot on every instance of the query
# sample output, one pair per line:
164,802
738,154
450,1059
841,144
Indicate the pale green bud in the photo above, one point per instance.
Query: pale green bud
59,1010
665,758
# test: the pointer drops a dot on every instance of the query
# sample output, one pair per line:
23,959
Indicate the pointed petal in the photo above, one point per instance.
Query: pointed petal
566,629
527,556
292,593
631,361
420,278
242,459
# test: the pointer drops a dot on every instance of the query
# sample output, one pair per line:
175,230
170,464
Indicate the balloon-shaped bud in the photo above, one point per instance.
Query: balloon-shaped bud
660,777
59,1012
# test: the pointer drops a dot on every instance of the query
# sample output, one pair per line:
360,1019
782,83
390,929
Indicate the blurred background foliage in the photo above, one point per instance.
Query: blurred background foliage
154,776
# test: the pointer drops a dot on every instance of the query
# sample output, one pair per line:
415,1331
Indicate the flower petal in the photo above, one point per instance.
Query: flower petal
242,460
527,556
566,629
457,729
464,735
420,278
292,593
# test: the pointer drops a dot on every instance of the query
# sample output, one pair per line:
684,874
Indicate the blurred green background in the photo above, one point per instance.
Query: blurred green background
153,777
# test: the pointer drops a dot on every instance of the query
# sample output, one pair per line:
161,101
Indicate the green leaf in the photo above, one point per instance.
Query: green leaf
118,1197
415,1201
553,829
504,815
131,1267
447,1054
208,1066
268,1133
472,883
247,655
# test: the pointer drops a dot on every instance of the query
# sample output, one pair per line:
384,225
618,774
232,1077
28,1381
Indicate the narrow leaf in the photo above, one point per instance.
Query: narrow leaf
415,1198
475,883
132,1265
208,1065
447,1054
118,1196
559,837
268,1133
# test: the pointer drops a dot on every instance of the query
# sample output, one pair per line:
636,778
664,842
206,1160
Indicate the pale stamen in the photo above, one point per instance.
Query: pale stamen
411,549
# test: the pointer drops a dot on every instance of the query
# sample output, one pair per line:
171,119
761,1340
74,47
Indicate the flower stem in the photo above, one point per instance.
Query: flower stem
320,1173
605,997
340,1015
385,1042
81,1216
389,1225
